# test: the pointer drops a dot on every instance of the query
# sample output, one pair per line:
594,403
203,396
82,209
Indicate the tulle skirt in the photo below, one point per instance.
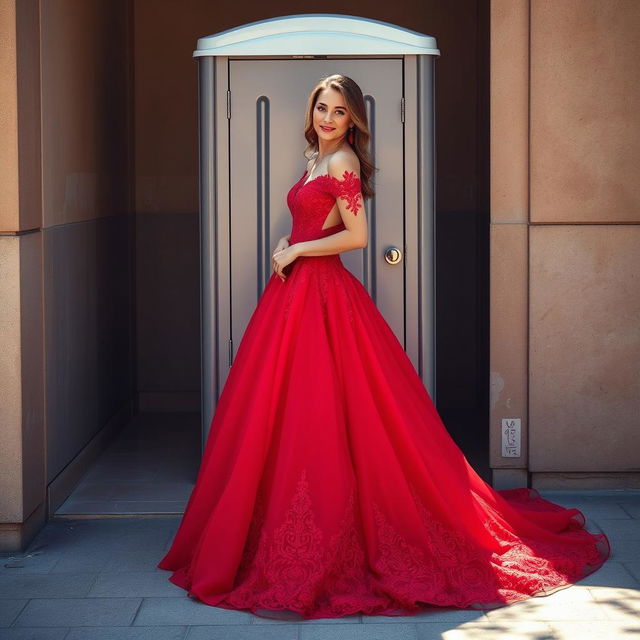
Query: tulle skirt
330,486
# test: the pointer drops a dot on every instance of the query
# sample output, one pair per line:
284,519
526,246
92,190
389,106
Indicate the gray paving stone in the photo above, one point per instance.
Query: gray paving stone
487,630
437,631
48,585
438,614
590,495
134,561
382,631
186,611
90,545
125,541
575,603
127,633
631,506
611,574
100,557
41,633
9,610
595,630
111,533
534,610
82,561
617,530
355,618
134,584
165,527
614,594
612,511
78,612
148,506
243,632
156,491
88,490
31,561
633,567
84,507
623,609
119,584
625,550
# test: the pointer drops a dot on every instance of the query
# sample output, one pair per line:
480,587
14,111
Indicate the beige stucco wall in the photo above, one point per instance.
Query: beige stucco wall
509,142
565,240
84,110
9,192
86,220
585,348
22,454
66,357
585,100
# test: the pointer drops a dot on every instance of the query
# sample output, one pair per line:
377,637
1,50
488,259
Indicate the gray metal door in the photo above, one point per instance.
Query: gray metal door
267,108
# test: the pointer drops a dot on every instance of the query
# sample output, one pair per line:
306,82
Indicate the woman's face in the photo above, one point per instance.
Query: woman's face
331,120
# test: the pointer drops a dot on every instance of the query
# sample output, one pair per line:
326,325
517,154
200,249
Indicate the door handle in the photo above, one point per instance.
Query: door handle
393,255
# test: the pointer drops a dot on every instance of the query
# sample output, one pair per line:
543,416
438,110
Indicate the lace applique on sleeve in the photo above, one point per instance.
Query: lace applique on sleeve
348,188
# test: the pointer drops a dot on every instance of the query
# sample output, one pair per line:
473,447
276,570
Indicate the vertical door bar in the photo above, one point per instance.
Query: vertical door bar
369,253
208,226
426,222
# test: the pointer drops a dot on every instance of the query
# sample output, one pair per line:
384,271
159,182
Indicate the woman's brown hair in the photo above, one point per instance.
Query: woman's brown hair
354,103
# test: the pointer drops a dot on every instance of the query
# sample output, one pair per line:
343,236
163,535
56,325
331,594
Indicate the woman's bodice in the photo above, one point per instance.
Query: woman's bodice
311,203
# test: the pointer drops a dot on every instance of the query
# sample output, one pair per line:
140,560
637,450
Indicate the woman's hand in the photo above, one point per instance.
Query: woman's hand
281,258
283,243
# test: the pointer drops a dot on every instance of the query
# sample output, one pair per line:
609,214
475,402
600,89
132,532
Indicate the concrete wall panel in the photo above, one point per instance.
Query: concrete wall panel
22,429
509,86
11,476
34,438
22,463
585,348
84,98
9,190
509,337
88,324
29,123
585,101
87,227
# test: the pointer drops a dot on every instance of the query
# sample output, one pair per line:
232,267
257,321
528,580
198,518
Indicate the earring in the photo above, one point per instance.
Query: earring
350,138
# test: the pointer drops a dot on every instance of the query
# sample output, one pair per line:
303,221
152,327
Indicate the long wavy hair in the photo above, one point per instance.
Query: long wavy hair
354,103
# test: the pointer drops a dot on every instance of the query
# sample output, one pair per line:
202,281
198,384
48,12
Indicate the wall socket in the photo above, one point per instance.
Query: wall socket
511,437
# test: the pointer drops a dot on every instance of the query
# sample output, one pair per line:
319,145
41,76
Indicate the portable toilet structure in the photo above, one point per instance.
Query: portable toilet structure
254,81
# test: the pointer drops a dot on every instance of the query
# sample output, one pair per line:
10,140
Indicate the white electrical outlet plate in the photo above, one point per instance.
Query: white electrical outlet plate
511,437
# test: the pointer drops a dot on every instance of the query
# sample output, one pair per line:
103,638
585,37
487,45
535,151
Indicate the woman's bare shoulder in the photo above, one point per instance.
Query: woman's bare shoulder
344,160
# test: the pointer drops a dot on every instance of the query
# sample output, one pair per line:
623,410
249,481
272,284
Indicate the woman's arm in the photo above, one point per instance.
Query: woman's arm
335,243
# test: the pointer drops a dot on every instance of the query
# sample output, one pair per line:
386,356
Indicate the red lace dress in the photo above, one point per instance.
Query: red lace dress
329,485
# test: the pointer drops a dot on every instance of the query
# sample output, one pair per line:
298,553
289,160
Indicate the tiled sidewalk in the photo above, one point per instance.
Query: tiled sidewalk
95,579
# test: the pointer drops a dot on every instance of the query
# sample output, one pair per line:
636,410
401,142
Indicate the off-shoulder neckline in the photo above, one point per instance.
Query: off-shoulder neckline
326,175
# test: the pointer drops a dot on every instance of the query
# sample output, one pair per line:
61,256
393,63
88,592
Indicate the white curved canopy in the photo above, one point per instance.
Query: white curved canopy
316,34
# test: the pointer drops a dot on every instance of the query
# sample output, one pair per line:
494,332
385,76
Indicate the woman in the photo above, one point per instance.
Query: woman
329,485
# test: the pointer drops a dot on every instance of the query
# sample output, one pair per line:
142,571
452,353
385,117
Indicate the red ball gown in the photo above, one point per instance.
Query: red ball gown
329,485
